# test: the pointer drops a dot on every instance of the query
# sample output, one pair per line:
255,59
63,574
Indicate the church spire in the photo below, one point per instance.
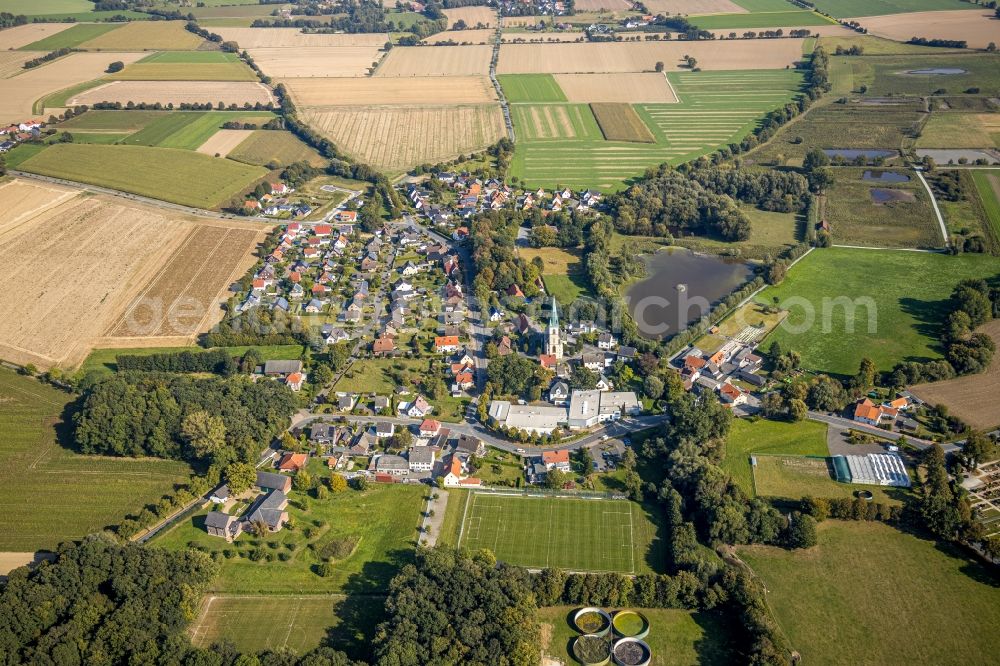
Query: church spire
554,315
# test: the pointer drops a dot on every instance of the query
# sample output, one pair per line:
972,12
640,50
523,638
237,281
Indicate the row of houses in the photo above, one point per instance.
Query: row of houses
11,135
718,371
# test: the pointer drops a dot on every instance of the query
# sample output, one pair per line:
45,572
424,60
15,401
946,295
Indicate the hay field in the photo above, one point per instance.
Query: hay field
322,61
178,92
19,93
461,37
649,87
472,16
399,137
265,146
224,142
436,61
961,130
257,38
147,36
693,7
22,35
11,62
620,122
643,56
976,26
971,398
182,296
375,90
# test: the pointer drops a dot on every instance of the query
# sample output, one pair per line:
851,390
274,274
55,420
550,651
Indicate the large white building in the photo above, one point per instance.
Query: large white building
586,409
535,419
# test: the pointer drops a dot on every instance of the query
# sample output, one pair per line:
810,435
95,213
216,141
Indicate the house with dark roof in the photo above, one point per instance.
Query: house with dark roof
270,510
272,481
223,525
467,445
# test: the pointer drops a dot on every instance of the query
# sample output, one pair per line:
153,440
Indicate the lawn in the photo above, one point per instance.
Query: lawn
71,37
561,144
794,477
851,8
178,176
265,146
254,623
676,637
373,375
563,275
569,533
807,438
189,129
499,468
531,88
50,494
870,594
104,361
908,292
383,519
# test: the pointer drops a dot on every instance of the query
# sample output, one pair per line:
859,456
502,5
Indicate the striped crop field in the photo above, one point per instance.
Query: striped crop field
562,144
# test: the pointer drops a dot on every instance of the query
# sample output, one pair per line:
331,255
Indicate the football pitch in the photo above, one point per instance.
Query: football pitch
566,533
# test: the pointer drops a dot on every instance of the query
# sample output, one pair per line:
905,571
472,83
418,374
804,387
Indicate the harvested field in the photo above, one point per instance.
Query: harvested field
462,37
182,297
473,16
19,93
961,130
399,137
22,35
650,88
224,142
11,62
605,5
976,26
643,56
257,38
266,146
322,61
188,66
375,90
522,21
538,38
147,36
23,200
111,248
177,92
971,398
620,122
436,61
693,7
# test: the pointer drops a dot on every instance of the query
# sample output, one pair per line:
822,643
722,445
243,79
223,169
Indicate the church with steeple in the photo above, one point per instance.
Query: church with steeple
553,340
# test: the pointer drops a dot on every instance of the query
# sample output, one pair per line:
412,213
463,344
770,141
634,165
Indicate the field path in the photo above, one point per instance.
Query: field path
937,211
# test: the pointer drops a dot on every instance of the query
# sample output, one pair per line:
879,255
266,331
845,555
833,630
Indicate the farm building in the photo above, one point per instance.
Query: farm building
222,525
874,469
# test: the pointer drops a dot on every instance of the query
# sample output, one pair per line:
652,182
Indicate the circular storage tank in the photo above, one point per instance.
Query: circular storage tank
592,620
866,495
630,624
631,652
592,650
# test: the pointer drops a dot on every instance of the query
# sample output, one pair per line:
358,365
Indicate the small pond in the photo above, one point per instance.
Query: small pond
855,153
882,196
938,71
680,288
885,177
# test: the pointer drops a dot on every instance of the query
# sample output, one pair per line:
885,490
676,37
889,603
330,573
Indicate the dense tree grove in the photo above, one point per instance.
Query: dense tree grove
498,265
216,421
217,361
450,608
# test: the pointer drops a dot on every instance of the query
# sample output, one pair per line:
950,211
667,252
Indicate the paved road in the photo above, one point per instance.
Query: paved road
842,422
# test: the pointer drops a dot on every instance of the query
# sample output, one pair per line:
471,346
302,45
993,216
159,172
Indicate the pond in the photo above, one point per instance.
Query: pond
885,177
854,153
938,71
680,288
881,196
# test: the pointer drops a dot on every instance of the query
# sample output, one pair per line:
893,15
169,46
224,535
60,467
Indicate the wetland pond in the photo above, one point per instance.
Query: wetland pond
680,286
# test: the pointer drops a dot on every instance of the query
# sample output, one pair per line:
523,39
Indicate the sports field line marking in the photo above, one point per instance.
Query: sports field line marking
465,512
291,624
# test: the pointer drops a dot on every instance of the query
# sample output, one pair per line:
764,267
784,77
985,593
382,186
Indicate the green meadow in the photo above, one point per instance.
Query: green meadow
519,88
850,8
190,129
771,19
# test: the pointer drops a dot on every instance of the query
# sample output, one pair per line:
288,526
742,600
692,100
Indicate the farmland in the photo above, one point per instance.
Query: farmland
519,88
746,438
176,92
224,142
396,138
906,311
975,26
464,37
620,122
988,188
436,61
322,61
178,176
146,36
12,62
943,606
255,38
562,143
18,94
649,88
961,130
27,35
383,520
48,493
574,534
473,16
846,8
969,398
189,129
387,91
891,75
187,66
70,38
266,146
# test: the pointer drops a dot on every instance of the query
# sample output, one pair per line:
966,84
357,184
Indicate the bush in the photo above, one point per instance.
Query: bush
116,66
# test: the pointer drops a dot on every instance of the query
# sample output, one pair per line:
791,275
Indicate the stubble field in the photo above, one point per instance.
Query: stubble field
978,27
324,61
11,62
23,35
472,16
436,61
147,36
395,138
377,90
461,37
257,38
646,87
176,92
224,142
265,146
695,7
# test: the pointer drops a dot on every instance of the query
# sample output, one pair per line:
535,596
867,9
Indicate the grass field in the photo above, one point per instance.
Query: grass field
42,7
71,37
988,189
873,45
746,438
961,130
531,88
116,121
770,19
147,36
383,519
794,477
752,314
850,8
909,297
178,176
870,594
189,129
564,276
569,533
620,122
562,144
265,146
890,74
676,637
48,493
254,623
187,66
104,361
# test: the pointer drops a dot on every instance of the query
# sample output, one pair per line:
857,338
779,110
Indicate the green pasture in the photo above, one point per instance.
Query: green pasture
123,121
746,438
988,189
189,129
794,477
531,88
851,8
890,75
752,21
